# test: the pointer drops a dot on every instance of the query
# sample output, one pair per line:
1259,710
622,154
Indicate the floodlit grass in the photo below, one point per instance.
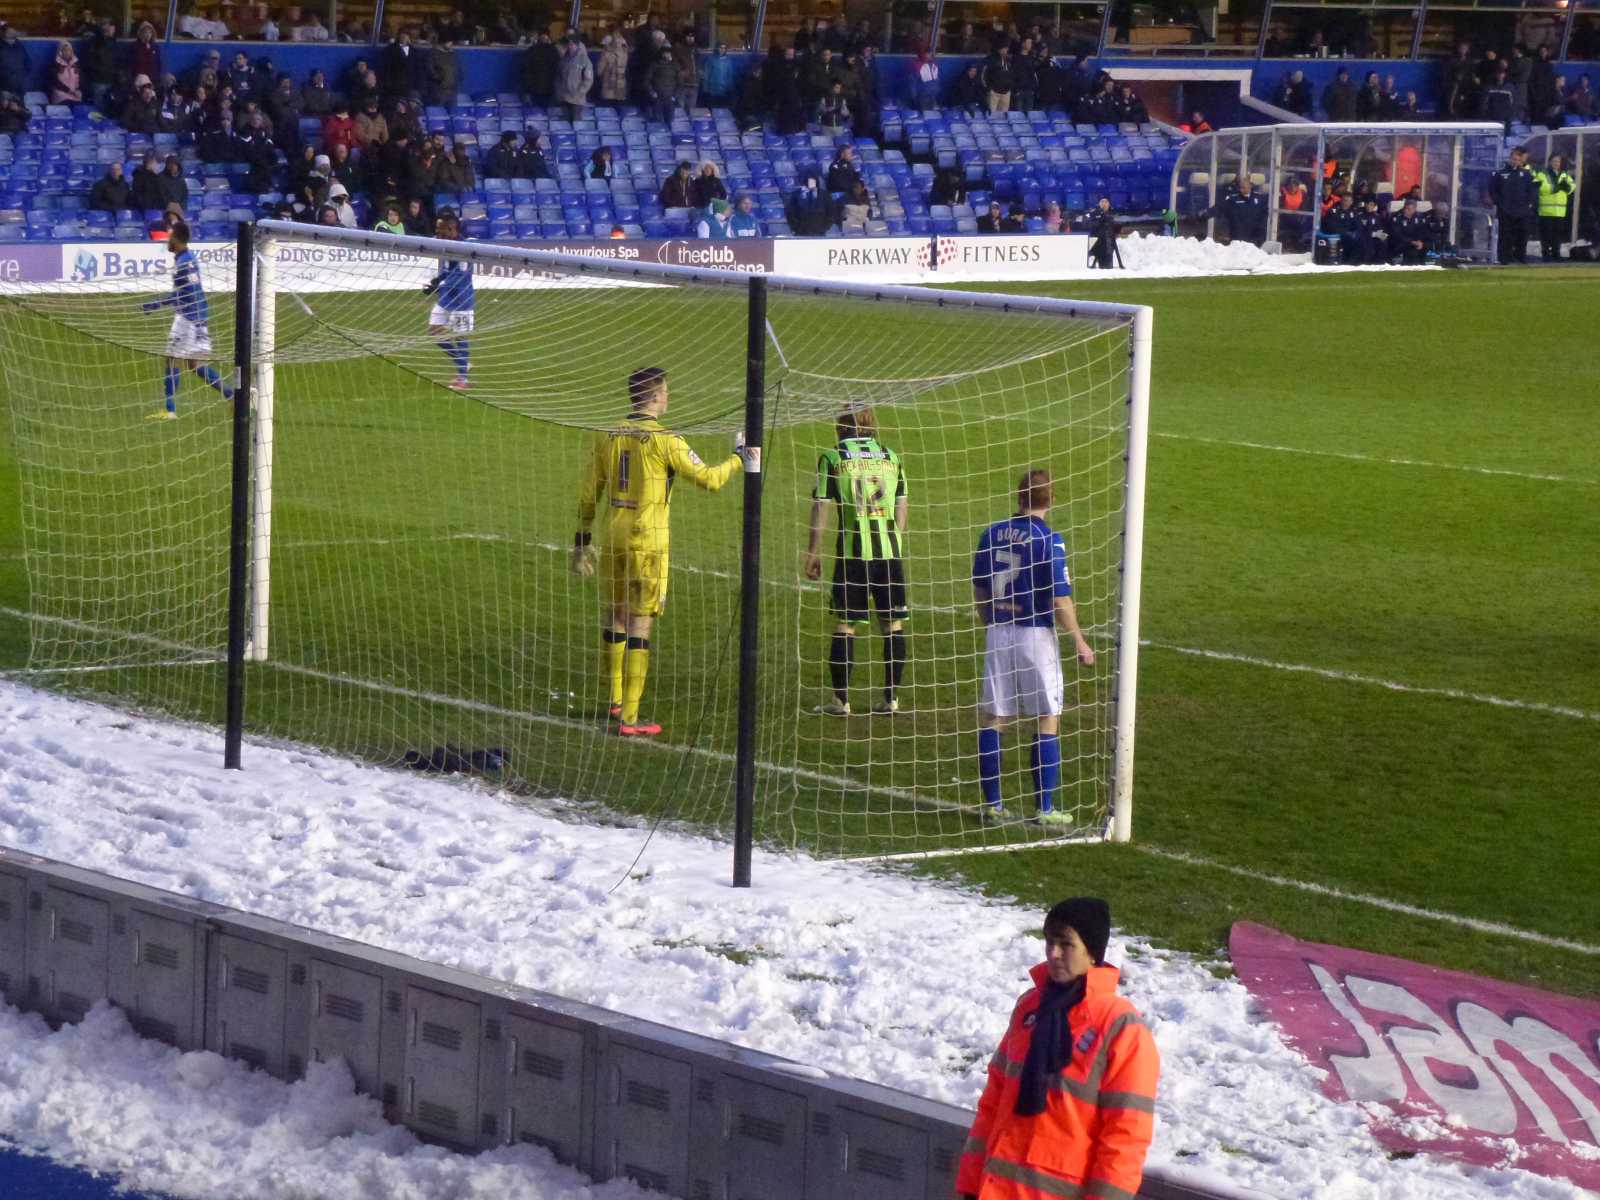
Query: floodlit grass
420,540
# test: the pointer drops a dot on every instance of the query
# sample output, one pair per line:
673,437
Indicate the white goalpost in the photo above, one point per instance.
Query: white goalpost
409,591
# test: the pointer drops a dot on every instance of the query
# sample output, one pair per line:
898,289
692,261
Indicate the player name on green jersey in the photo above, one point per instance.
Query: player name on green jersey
866,481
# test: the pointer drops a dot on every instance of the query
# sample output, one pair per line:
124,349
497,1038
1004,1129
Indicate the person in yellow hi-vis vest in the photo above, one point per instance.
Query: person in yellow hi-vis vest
1555,193
635,464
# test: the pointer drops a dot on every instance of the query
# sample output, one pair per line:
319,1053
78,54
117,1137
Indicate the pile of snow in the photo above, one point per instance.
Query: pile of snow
860,971
1159,257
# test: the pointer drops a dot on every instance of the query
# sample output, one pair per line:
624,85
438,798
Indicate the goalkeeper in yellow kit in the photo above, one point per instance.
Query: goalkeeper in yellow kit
635,465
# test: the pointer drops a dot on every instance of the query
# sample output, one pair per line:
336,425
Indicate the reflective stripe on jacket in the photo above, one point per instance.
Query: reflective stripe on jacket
1090,1142
1553,192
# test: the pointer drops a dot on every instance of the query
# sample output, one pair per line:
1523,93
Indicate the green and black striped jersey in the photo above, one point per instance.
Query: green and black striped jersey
866,481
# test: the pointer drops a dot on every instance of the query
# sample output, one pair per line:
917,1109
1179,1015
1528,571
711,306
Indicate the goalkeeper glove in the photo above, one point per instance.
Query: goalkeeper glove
583,556
431,286
151,306
749,456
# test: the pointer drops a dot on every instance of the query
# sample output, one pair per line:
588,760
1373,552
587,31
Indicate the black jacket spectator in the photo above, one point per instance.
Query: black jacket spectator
949,186
1409,236
678,189
1369,100
501,162
1025,82
110,191
1294,94
751,105
143,112
842,174
810,210
1339,98
144,190
1052,85
992,221
968,92
1497,100
456,173
705,188
170,183
13,117
400,67
1458,93
1130,107
15,75
998,77
315,98
99,55
539,66
221,145
530,162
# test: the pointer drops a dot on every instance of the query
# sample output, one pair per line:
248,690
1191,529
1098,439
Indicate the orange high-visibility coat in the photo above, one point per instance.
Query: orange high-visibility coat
1099,1115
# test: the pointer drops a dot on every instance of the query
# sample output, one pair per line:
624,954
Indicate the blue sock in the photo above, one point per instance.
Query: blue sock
462,357
1046,769
173,374
209,374
989,765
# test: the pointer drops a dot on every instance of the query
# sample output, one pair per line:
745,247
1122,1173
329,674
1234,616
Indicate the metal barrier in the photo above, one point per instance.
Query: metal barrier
471,1063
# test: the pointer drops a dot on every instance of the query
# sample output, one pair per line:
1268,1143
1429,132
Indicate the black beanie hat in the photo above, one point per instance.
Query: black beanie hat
1090,916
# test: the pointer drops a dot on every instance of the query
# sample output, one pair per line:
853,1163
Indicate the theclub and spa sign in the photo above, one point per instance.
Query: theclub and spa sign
1492,1073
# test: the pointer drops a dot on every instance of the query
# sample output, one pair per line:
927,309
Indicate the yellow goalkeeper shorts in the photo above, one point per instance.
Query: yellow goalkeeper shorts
637,579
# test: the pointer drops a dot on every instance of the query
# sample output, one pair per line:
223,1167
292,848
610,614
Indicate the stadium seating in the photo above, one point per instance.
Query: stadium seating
1031,158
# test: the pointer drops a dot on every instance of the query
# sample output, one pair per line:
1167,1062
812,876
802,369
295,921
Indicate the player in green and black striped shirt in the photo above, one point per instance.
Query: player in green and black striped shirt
865,483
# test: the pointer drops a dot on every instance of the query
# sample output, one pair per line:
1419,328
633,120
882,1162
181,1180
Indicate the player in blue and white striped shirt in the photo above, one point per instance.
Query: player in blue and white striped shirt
1024,596
453,304
189,343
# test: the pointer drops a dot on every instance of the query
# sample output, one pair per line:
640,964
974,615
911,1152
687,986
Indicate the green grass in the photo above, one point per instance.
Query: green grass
1430,577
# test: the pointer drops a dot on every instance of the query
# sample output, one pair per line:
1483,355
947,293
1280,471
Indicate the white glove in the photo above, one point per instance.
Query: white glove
738,443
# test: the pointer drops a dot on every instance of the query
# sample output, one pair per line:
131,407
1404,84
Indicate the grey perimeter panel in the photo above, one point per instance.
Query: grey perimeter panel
472,1062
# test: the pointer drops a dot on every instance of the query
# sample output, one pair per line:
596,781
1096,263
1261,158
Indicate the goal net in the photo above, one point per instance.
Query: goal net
412,597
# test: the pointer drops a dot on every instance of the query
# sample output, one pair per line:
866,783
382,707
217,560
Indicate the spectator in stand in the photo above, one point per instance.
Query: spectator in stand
1551,105
1555,195
715,221
14,115
283,105
339,201
99,56
1294,94
417,221
1196,123
144,56
706,186
833,111
1409,235
144,189
810,211
315,98
677,191
574,78
392,222
219,144
501,162
1052,80
1369,100
110,191
843,171
64,77
404,117
143,113
1497,100
456,172
743,223
539,68
925,82
1457,96
255,141
818,75
864,98
1581,101
1100,108
687,66
340,127
1519,73
1374,225
750,107
993,220
1102,226
857,204
15,75
367,129
420,176
361,86
1392,99
269,28
1067,1110
949,186
1344,222
600,164
1016,219
530,160
783,92
241,75
311,29
1054,220
400,67
328,215
440,75
717,78
613,72
343,168
662,85
1243,212
1339,98
1407,109
1024,78
968,94
998,80
196,25
1130,109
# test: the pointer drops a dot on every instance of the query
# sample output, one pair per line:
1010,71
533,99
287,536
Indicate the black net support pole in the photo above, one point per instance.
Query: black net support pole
239,533
744,770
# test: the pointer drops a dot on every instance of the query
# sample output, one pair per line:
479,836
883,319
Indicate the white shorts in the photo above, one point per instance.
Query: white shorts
1022,672
188,340
456,320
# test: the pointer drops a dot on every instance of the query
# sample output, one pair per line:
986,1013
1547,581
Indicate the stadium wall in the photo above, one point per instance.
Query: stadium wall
498,68
473,1063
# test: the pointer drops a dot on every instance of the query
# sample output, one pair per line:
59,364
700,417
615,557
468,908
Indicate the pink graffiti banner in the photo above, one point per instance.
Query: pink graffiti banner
1492,1073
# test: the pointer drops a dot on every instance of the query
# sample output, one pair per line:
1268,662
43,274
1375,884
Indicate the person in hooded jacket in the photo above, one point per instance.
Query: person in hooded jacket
1069,1107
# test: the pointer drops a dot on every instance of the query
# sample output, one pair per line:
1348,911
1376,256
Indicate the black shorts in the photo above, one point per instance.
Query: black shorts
881,580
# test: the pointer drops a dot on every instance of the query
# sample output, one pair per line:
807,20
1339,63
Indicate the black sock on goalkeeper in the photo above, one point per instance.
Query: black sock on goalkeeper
841,657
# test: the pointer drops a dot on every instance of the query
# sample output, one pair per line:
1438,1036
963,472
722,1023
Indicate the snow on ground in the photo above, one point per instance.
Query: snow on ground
1157,257
859,971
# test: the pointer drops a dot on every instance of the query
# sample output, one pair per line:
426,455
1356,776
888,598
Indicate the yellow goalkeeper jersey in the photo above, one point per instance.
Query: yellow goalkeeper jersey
635,466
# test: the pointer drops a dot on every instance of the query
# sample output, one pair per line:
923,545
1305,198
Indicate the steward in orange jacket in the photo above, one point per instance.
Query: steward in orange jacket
1069,1109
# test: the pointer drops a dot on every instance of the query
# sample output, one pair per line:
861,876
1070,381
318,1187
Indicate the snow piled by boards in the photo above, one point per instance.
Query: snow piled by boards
860,971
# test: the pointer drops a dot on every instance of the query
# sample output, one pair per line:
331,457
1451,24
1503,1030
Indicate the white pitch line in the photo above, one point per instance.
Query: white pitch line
1446,693
1381,460
203,661
1394,906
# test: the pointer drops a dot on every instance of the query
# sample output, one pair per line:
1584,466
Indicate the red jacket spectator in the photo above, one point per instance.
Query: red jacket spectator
144,56
340,127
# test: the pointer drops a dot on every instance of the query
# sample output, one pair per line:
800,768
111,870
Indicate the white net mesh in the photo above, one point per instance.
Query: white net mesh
421,600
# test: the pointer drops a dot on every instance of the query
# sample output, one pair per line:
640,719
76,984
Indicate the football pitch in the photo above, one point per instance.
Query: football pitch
1371,608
